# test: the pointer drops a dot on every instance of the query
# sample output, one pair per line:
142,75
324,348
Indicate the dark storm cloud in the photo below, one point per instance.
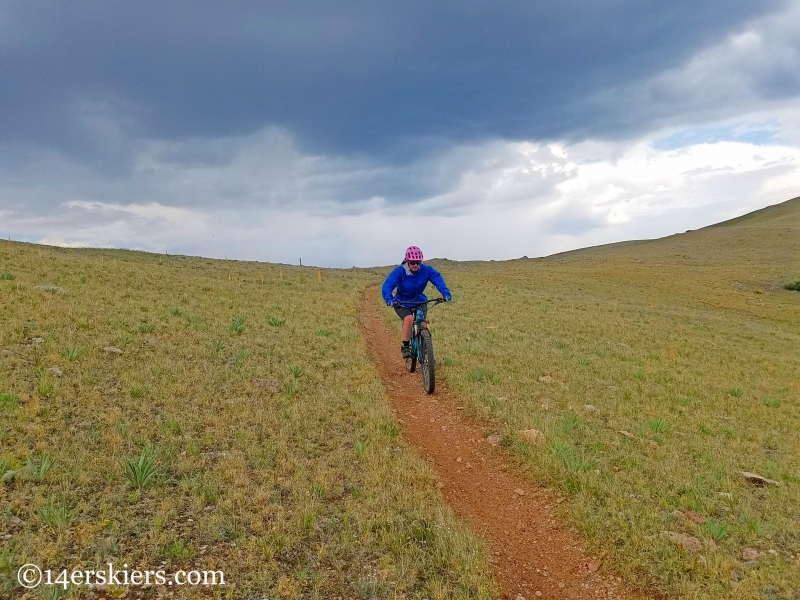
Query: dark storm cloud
88,79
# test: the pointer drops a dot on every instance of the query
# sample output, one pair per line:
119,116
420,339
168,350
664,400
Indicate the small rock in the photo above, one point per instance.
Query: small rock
593,566
55,371
534,436
494,439
519,492
758,479
750,555
773,552
519,597
52,289
458,459
627,434
678,514
683,541
520,525
269,385
589,408
546,379
36,340
538,594
696,517
112,350
15,521
217,453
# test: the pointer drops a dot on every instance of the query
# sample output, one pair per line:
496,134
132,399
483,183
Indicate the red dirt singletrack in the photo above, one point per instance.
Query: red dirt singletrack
533,555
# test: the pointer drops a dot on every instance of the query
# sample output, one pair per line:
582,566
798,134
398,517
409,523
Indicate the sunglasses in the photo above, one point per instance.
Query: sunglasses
414,262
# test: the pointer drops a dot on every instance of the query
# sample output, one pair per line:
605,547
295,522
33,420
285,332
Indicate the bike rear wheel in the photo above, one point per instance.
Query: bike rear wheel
427,361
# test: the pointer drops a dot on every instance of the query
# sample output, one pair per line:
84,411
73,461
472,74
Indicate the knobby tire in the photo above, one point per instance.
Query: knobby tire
426,354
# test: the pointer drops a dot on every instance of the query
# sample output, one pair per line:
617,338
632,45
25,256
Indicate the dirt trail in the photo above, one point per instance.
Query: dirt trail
533,555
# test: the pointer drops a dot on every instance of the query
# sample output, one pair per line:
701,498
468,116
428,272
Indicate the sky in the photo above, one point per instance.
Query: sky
340,133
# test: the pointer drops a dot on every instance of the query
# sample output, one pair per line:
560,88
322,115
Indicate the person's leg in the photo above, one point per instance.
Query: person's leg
408,321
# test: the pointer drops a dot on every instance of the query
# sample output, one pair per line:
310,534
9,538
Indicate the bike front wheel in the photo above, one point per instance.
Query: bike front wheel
427,361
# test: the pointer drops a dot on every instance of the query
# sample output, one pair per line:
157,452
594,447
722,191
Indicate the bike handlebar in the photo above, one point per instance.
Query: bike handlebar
416,304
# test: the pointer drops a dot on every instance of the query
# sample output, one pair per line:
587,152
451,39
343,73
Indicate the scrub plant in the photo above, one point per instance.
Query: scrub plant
56,513
141,471
37,466
71,353
8,400
237,324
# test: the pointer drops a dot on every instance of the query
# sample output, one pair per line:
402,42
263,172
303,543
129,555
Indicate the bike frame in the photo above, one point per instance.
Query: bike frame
419,322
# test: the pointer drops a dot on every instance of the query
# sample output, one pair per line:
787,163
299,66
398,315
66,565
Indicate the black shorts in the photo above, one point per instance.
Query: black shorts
404,311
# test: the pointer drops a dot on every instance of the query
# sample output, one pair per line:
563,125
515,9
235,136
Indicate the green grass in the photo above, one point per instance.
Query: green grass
8,400
141,471
793,286
657,425
297,488
37,467
715,529
56,513
71,353
237,324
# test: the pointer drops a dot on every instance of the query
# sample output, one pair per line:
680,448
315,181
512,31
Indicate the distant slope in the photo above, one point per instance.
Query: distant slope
784,212
763,246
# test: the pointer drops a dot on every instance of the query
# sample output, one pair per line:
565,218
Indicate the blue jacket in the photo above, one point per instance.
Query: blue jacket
410,285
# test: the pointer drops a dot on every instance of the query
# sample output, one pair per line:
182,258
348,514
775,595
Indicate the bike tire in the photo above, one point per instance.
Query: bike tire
427,361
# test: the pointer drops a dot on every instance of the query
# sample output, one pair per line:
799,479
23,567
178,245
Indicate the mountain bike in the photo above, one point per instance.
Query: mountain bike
422,343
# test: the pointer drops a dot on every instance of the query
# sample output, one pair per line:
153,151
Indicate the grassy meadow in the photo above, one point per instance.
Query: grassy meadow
183,413
690,345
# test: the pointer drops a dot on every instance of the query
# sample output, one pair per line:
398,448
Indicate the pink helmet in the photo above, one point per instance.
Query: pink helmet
413,253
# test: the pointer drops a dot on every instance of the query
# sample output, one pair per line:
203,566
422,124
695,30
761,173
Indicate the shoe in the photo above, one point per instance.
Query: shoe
405,351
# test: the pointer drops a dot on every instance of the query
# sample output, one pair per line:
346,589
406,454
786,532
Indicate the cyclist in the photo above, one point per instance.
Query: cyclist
409,279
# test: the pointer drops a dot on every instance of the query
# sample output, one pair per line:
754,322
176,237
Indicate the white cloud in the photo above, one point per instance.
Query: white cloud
80,223
260,197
